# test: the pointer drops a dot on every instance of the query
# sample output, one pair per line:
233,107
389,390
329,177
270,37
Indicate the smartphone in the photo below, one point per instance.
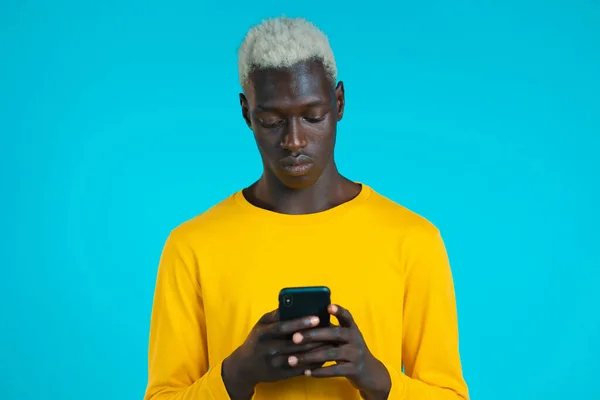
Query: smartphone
298,302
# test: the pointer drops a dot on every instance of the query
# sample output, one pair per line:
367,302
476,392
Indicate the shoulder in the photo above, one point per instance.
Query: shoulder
393,215
418,241
219,219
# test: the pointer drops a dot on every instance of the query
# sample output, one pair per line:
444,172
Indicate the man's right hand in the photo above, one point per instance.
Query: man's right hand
263,357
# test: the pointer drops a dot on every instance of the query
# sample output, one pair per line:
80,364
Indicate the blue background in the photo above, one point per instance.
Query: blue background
483,116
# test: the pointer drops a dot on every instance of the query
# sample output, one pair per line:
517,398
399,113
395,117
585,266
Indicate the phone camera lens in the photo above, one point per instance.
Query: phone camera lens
287,301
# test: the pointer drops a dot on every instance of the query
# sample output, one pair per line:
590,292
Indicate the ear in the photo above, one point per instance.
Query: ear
245,110
340,100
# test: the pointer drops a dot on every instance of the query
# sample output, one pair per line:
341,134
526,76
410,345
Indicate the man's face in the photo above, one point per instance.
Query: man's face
293,114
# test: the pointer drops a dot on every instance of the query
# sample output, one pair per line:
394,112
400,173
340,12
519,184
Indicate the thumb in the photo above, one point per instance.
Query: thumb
270,317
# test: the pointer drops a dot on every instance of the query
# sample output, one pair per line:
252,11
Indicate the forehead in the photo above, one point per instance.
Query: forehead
292,87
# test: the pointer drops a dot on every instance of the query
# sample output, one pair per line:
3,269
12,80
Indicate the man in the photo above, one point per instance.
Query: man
215,332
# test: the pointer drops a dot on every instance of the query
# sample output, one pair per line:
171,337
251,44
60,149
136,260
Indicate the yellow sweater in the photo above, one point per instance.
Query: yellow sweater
222,270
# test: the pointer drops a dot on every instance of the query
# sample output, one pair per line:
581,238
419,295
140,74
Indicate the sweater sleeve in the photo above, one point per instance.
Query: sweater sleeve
178,367
431,360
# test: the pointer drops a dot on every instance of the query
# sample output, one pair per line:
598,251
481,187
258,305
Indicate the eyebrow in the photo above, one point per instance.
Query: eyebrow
271,106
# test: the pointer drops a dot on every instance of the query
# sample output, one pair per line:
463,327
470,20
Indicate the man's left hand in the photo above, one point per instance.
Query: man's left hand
349,351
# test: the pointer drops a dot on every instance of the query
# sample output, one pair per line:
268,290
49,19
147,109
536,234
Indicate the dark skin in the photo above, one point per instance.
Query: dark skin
293,114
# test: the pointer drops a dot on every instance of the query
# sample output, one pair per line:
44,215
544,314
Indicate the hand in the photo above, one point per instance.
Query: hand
263,356
350,352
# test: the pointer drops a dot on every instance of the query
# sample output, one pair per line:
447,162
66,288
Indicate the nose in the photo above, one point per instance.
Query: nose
294,138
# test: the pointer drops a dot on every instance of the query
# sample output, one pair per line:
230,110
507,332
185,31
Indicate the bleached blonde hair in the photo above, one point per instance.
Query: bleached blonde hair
281,43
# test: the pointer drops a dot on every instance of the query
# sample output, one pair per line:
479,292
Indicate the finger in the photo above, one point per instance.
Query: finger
344,369
334,334
288,348
288,328
283,369
291,372
343,315
269,318
320,356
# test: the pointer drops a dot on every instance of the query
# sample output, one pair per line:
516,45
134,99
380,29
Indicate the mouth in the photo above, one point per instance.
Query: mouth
296,166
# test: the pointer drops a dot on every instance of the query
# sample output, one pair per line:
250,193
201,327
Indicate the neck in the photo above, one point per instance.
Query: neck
330,190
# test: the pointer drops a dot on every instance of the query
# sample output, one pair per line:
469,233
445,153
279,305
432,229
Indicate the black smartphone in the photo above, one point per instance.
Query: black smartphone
298,302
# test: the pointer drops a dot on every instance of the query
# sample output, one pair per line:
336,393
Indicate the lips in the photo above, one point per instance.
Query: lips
294,161
296,166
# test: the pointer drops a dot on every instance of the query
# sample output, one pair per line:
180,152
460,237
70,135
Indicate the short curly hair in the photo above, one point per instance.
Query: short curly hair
281,43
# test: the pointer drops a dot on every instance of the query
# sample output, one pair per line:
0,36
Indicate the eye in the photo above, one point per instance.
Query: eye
271,123
314,120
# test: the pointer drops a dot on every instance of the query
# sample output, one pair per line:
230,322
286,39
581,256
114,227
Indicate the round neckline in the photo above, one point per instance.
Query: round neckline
320,216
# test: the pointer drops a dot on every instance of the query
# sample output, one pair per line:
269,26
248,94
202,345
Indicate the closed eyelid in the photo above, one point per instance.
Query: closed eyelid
319,117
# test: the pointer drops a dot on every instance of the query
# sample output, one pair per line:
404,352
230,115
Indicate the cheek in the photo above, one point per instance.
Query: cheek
322,141
267,144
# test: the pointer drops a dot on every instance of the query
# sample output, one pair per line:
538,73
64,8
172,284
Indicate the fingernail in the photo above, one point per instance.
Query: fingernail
314,321
307,372
333,308
292,361
297,338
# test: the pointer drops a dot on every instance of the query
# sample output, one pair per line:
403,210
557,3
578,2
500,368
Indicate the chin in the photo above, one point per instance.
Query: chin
298,182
